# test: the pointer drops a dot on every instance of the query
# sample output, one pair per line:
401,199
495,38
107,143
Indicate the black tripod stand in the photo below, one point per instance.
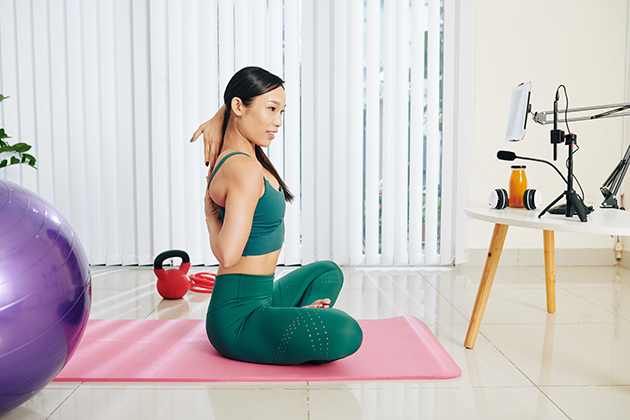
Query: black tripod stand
574,204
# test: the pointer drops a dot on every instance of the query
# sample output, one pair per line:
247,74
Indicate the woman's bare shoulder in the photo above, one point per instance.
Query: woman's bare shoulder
242,170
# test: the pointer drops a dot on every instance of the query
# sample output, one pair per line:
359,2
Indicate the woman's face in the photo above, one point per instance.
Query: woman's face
261,120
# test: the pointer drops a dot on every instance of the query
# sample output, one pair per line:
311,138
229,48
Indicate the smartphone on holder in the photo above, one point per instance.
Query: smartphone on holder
519,108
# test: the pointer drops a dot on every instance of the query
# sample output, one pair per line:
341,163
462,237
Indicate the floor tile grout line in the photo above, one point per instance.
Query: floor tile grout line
308,401
467,318
105,272
151,313
64,401
520,323
597,305
380,290
525,375
587,386
439,292
553,402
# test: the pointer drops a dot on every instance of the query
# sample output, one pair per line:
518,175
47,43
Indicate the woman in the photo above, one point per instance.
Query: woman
251,317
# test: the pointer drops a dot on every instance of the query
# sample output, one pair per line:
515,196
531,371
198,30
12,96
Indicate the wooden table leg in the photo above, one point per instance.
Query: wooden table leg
489,270
550,270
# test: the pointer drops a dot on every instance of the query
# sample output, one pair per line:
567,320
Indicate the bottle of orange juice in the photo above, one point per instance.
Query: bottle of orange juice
518,185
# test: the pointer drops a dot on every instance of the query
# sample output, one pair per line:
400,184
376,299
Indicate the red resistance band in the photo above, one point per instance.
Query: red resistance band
202,282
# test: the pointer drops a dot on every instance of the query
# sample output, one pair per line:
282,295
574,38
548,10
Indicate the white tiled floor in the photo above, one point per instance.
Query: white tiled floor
527,364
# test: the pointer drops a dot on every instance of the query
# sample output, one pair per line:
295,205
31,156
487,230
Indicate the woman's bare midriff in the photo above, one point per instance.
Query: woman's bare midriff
254,264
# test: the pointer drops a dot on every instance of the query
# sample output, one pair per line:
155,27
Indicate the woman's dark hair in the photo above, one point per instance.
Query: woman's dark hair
246,84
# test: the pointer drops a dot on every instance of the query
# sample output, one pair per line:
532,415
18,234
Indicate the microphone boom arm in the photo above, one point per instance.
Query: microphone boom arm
614,111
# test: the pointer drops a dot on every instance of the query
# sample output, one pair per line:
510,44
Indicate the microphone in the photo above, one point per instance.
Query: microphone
507,155
557,136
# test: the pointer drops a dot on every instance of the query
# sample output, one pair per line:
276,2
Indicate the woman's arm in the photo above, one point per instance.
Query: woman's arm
212,134
213,222
242,181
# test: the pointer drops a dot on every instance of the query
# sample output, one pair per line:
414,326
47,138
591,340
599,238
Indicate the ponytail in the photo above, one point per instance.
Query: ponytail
266,163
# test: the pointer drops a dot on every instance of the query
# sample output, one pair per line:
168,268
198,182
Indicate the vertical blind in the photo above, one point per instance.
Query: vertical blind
108,92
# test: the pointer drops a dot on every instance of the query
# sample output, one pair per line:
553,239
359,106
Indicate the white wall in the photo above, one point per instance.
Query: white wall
579,43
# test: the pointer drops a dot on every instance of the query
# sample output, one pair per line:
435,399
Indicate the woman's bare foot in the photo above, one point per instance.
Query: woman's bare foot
320,303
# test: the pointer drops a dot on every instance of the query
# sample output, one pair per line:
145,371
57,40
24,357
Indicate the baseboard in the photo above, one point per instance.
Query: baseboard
129,259
564,257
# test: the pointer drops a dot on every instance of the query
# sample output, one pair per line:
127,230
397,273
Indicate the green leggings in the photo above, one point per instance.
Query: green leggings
256,319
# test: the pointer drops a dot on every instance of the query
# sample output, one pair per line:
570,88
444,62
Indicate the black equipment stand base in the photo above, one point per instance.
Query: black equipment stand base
573,206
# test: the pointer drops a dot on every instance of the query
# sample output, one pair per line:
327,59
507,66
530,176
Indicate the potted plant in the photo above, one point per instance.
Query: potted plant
13,154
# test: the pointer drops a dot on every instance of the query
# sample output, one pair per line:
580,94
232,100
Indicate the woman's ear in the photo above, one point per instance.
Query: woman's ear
237,106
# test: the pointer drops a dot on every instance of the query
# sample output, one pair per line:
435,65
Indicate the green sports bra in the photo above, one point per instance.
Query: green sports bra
267,232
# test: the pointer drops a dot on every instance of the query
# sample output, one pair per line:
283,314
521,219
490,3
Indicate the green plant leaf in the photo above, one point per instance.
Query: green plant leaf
18,148
29,159
17,151
21,147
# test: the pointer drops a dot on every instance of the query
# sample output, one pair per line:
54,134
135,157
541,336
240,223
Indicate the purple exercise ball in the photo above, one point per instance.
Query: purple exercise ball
45,294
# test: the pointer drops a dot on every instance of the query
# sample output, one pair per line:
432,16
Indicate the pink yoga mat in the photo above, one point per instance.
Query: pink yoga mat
400,348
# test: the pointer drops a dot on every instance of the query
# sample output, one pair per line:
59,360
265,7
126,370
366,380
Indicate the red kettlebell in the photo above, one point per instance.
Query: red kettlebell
173,283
